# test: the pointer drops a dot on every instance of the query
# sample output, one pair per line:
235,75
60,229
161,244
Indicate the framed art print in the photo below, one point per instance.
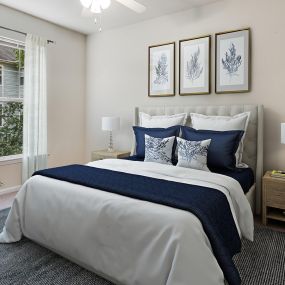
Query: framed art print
233,61
161,70
194,66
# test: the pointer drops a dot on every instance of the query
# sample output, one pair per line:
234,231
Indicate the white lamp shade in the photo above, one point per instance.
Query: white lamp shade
110,123
283,133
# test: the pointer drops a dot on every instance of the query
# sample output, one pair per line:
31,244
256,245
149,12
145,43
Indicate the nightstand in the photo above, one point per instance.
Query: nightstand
102,154
273,198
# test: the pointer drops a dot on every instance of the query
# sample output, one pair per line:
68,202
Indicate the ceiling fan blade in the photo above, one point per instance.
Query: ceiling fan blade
133,5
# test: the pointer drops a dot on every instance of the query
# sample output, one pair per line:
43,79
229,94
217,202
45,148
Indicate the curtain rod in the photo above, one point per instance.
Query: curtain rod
19,32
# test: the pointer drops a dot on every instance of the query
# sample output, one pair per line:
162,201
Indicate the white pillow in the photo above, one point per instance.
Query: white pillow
158,149
165,121
223,123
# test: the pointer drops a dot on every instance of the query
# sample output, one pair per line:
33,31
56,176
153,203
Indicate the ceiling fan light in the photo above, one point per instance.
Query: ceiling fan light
86,3
96,7
105,4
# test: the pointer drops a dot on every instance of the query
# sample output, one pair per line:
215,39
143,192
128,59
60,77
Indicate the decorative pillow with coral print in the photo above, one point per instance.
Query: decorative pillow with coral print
193,154
158,149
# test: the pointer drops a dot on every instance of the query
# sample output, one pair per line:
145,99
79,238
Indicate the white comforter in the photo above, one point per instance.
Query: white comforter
128,241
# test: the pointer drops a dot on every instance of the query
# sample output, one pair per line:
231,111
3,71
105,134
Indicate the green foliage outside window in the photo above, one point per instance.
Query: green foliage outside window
11,131
11,116
20,57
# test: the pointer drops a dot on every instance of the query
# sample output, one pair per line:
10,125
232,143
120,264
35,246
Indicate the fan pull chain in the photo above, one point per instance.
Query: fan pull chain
100,23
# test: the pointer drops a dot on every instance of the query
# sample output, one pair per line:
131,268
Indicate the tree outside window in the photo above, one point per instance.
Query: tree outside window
11,130
11,100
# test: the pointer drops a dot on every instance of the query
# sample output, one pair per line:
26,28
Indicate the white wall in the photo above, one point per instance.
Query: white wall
65,90
117,68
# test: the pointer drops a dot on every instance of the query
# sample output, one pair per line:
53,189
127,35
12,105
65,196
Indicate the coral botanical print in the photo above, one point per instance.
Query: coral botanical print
194,67
161,70
232,61
158,149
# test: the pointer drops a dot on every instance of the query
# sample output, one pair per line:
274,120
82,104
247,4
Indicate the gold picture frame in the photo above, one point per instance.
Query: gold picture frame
198,80
161,70
235,75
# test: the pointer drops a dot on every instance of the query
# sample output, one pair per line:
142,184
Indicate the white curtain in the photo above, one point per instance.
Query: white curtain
35,107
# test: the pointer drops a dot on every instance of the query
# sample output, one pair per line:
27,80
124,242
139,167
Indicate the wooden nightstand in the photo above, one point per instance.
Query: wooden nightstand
102,154
273,198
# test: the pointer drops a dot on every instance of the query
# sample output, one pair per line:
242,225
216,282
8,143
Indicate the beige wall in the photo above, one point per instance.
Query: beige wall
117,68
66,90
117,75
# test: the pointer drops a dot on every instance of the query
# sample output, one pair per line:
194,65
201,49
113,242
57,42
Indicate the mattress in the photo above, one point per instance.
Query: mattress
244,176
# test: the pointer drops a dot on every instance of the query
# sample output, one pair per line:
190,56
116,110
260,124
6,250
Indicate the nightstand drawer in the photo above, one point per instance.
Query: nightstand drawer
275,195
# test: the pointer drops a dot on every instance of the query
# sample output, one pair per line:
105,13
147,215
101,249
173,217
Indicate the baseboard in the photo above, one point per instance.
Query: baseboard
10,190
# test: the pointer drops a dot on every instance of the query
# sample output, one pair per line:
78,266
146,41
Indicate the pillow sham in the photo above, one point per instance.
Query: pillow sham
164,121
158,149
221,152
224,123
193,154
140,133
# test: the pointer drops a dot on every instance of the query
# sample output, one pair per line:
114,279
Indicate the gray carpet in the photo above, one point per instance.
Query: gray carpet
26,263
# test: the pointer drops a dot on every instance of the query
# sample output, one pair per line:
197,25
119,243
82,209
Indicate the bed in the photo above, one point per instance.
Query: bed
253,148
132,240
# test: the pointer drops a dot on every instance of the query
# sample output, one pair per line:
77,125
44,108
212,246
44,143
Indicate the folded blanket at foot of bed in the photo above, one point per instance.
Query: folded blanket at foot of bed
214,211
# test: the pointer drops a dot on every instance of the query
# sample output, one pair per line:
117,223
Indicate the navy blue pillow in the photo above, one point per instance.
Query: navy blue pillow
223,146
140,133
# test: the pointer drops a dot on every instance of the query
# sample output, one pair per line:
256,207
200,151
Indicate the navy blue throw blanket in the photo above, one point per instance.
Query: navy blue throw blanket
210,206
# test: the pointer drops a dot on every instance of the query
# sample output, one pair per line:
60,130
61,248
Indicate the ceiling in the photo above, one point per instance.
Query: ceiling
67,13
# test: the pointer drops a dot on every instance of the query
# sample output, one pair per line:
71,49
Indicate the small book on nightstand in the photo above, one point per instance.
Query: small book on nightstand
278,174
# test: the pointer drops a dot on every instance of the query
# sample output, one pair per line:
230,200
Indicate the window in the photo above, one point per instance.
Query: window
21,80
11,96
21,76
1,118
1,75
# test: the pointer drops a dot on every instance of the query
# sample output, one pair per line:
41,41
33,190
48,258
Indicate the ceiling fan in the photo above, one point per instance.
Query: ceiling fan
96,6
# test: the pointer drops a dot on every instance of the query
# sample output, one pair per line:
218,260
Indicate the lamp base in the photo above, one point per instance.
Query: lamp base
110,147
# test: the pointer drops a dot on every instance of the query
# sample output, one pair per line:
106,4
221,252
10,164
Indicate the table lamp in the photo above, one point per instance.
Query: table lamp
110,124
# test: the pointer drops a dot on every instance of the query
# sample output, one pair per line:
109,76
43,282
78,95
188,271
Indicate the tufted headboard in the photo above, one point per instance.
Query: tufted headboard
253,143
